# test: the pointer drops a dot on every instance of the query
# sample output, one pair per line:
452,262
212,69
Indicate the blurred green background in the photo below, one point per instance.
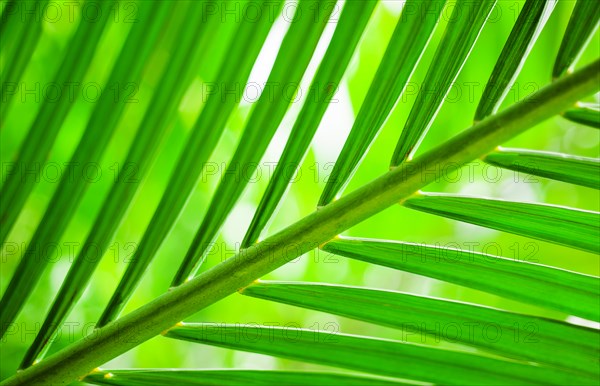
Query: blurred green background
396,223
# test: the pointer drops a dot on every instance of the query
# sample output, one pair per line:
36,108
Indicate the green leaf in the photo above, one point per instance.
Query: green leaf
228,277
167,377
51,115
127,70
158,117
531,21
6,13
244,49
562,167
572,293
504,333
581,27
376,356
349,29
406,46
464,26
13,28
33,152
585,113
19,56
560,225
191,41
296,50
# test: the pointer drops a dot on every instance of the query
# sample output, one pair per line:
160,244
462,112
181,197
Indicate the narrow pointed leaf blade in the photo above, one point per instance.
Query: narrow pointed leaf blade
581,27
13,28
243,50
582,171
17,63
127,70
50,117
167,377
572,293
462,31
560,225
351,25
34,151
578,346
407,44
523,36
376,356
292,60
585,114
7,12
216,284
188,54
162,107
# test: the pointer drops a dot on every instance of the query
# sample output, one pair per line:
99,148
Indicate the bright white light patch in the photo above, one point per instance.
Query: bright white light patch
264,63
335,127
237,223
583,322
393,6
245,360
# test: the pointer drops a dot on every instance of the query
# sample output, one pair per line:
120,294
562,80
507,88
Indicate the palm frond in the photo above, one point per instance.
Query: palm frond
406,46
50,117
25,37
585,114
582,171
198,148
292,60
583,23
523,36
464,27
160,377
438,340
377,356
35,149
345,39
441,319
128,68
511,278
575,228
